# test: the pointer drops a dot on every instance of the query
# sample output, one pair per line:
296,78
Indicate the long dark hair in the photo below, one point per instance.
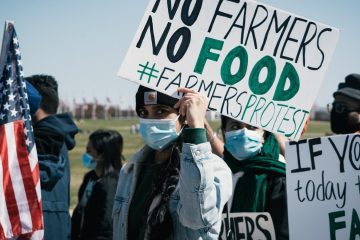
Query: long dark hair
109,144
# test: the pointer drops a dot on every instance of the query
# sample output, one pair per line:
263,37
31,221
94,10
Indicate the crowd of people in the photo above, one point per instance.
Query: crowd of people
179,184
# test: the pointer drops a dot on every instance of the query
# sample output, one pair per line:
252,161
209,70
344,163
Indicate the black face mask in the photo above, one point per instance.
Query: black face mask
344,121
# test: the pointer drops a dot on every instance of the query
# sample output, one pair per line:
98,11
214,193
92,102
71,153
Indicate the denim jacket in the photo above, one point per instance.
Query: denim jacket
197,202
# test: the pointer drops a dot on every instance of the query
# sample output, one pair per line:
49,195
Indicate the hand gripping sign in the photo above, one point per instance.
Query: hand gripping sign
255,63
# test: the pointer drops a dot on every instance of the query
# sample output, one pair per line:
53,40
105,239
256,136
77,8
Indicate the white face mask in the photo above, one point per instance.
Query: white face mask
158,133
243,143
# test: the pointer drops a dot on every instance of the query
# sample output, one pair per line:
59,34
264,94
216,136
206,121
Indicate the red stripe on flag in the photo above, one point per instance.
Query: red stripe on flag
2,234
8,187
29,184
36,174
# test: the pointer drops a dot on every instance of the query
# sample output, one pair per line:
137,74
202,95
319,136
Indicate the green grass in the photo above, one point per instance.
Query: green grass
132,142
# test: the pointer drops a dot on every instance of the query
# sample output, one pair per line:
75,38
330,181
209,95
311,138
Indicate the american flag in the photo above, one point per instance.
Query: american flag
20,193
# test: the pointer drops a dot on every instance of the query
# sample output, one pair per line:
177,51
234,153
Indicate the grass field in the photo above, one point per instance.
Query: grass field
133,142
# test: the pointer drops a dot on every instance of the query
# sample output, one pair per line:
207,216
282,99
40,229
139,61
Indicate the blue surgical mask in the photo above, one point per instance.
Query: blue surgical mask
158,133
243,143
88,161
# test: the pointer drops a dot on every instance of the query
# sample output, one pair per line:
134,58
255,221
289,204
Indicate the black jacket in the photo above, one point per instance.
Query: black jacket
97,222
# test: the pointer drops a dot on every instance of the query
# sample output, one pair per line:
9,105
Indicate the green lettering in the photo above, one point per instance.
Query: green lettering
289,72
355,225
227,77
254,84
249,104
206,53
335,225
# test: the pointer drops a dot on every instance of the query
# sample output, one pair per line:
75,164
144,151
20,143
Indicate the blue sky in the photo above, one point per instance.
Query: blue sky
83,42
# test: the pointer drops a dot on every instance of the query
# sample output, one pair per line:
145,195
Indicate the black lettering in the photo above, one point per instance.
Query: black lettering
171,9
282,27
250,227
341,157
299,169
218,13
355,150
162,75
321,51
313,153
185,35
207,88
305,42
238,102
215,96
176,81
190,18
243,9
263,230
187,85
156,47
227,98
297,189
253,26
288,38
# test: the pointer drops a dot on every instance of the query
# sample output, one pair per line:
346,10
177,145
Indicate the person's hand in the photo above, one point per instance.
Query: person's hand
193,106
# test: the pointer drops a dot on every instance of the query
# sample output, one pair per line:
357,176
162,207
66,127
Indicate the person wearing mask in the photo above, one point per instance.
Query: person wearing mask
174,187
91,218
258,173
345,111
54,137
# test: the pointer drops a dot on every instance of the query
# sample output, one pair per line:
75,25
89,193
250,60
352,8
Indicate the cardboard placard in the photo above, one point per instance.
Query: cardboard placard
255,63
323,187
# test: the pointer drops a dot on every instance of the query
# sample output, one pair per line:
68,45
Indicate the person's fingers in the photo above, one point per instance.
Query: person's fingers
186,90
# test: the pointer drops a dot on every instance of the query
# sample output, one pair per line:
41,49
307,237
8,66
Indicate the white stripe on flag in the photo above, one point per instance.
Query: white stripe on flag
17,180
4,215
33,158
37,235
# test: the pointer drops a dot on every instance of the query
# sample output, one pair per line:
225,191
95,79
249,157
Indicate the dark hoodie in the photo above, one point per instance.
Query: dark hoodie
54,136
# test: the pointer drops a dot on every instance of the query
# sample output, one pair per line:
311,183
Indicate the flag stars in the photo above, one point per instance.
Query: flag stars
9,81
19,62
13,112
8,67
21,73
2,116
26,131
28,142
7,106
12,97
17,51
15,41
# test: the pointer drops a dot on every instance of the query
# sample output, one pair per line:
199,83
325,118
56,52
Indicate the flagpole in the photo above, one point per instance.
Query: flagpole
9,25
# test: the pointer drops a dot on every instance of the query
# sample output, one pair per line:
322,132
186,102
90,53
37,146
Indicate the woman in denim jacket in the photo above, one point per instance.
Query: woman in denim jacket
174,187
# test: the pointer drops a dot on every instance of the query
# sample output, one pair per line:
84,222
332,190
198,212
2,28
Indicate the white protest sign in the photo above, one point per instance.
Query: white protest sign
255,63
323,188
248,225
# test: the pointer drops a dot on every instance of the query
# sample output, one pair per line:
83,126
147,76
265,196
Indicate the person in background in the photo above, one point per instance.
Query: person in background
91,218
258,173
174,187
54,137
345,111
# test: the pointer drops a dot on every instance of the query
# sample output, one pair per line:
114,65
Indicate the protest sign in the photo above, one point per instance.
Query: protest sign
255,63
247,225
323,187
